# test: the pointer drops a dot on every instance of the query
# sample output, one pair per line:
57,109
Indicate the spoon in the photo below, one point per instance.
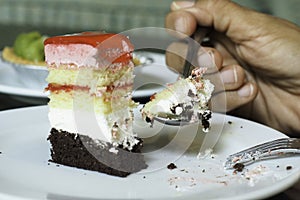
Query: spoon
193,46
173,122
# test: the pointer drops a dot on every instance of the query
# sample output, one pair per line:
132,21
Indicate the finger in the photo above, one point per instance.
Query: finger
229,78
242,96
181,22
232,76
226,17
236,98
177,5
206,57
229,56
223,15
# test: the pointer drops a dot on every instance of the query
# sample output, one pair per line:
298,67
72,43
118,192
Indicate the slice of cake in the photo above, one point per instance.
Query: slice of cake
90,109
186,100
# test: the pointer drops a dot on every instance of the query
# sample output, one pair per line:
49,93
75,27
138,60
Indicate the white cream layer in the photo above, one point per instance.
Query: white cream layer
179,94
96,126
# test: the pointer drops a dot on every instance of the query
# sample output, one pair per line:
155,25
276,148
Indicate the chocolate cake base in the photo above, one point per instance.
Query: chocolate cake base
83,152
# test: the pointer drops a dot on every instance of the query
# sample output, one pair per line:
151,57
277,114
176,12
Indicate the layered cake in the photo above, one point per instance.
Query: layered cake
90,109
186,100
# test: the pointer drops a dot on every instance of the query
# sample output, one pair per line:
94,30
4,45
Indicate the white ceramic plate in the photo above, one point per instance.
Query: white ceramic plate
25,172
149,79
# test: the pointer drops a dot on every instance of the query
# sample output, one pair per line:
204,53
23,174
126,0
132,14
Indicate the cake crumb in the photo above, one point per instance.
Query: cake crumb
184,170
171,166
289,167
229,122
205,154
238,167
113,150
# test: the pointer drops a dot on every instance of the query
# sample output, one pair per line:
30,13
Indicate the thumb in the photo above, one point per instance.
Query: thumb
224,16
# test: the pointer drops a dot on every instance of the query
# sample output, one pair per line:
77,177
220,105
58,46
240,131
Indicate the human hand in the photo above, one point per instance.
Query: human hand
259,62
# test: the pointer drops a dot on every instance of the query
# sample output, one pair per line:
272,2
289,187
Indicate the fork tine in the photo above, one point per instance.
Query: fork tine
254,148
282,142
271,149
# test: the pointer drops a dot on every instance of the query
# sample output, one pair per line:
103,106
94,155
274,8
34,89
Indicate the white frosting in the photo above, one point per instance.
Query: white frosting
75,122
96,126
181,96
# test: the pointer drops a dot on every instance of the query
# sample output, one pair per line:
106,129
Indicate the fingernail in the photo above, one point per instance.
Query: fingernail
245,91
177,5
180,25
206,60
229,76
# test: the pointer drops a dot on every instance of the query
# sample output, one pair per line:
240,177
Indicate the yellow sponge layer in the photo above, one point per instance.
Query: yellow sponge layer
88,77
81,100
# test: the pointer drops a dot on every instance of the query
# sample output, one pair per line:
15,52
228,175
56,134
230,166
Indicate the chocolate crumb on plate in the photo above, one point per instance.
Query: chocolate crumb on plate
289,167
171,166
239,167
229,122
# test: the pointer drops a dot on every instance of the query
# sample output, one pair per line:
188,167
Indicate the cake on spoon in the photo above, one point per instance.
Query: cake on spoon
186,100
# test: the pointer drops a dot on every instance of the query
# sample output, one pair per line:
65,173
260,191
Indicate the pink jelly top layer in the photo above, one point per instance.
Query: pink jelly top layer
91,49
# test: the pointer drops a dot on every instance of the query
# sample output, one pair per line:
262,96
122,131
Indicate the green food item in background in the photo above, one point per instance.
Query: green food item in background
35,50
30,46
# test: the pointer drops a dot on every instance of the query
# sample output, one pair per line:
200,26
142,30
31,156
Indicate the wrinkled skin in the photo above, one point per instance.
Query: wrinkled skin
257,55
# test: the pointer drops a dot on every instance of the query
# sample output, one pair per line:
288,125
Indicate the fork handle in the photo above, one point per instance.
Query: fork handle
193,46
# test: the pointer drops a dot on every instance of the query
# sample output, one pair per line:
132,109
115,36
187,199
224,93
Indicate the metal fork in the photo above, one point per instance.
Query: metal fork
193,45
268,150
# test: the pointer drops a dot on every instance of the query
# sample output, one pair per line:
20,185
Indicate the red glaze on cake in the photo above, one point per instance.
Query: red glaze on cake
92,38
99,50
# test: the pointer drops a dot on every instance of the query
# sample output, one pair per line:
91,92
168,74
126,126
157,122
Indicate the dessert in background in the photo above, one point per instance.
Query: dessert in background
28,49
186,100
90,109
